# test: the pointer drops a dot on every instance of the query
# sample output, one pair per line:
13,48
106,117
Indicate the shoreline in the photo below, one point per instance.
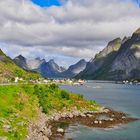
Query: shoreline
53,126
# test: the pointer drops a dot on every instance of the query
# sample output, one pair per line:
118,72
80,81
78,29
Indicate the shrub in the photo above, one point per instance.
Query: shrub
36,90
65,95
80,96
20,106
53,87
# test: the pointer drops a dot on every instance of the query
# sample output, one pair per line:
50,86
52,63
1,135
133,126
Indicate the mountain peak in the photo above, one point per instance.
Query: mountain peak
1,52
82,60
51,61
113,46
37,58
20,61
116,40
20,56
137,31
75,69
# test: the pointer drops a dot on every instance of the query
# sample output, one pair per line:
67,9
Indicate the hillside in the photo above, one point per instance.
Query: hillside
74,69
9,70
47,69
127,62
96,68
50,69
22,108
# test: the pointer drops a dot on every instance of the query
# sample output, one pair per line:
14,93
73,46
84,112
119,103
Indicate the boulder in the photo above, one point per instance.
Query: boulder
96,122
60,130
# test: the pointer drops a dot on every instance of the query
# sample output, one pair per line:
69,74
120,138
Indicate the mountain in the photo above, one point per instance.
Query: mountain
34,64
97,66
31,64
120,60
9,70
46,69
50,69
127,62
74,69
21,62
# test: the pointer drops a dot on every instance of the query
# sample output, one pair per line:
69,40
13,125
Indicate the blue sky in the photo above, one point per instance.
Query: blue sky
47,3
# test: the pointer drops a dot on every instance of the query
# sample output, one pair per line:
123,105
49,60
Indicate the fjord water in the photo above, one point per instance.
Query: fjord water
125,98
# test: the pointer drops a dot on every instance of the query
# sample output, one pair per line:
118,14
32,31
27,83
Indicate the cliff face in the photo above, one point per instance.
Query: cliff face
50,69
96,67
21,62
120,60
74,69
46,69
127,62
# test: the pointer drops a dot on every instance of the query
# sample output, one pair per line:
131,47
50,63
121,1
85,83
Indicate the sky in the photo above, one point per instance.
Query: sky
66,30
47,3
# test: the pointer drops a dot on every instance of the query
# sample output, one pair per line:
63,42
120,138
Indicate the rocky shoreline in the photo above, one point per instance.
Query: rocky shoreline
49,127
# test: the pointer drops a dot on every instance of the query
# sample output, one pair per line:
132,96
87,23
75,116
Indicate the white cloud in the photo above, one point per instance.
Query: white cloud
79,28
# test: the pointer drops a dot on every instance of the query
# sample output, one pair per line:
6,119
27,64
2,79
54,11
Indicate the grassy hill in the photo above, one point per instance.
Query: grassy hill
19,105
9,70
16,109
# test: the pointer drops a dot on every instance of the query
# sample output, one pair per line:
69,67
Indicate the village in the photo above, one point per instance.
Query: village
65,81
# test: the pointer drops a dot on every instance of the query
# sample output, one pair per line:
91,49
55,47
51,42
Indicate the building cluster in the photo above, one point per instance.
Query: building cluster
47,81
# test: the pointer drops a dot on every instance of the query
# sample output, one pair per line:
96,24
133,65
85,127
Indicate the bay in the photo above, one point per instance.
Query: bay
120,97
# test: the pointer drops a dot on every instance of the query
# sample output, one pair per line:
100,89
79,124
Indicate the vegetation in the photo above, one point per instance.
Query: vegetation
9,70
53,99
19,104
16,109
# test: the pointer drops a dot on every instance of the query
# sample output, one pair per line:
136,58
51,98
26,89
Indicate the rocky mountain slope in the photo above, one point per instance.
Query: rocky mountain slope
127,62
21,62
74,69
26,64
120,60
46,69
49,69
97,67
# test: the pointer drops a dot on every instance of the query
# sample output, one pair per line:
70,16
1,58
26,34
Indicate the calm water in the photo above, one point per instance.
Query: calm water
124,98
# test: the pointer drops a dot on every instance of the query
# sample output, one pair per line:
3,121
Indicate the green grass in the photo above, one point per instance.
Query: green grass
19,104
16,108
53,99
9,70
